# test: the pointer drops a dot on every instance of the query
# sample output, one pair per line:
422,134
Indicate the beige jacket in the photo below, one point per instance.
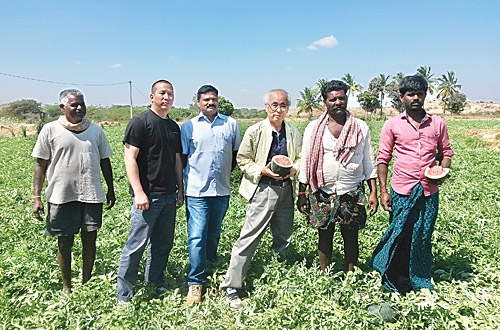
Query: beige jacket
254,149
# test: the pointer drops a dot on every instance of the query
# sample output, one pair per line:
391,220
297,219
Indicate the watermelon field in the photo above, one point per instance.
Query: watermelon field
290,295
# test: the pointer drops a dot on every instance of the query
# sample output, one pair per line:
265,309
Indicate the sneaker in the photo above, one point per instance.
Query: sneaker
194,294
233,299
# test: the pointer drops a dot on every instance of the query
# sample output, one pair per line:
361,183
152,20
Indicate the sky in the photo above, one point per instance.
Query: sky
243,48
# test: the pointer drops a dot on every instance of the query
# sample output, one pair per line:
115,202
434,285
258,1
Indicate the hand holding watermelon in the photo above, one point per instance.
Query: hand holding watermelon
436,174
281,165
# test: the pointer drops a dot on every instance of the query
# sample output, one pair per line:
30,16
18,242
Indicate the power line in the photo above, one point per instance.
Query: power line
146,97
61,83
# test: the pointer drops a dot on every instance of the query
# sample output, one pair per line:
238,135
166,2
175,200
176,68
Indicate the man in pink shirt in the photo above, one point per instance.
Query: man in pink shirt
418,140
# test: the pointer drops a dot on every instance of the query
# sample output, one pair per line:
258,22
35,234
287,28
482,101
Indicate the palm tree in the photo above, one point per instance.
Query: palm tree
426,73
308,102
448,85
448,89
319,86
393,91
353,86
380,85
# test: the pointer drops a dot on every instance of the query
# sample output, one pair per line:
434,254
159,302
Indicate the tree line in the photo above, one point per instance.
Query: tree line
372,99
34,112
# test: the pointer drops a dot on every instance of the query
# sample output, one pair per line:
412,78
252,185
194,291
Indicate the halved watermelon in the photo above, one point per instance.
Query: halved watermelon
281,165
436,172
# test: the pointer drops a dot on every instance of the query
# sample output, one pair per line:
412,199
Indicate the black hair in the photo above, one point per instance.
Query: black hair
206,89
413,83
334,85
159,82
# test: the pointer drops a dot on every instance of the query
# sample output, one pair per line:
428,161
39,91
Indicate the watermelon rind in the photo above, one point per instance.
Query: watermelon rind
280,169
445,172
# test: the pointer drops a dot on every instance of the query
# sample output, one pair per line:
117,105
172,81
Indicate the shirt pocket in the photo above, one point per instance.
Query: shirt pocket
429,141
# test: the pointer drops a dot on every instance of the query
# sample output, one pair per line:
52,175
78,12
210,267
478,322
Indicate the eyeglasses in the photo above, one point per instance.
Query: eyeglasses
276,106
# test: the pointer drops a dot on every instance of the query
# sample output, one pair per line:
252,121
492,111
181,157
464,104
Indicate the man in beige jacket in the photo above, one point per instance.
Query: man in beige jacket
270,196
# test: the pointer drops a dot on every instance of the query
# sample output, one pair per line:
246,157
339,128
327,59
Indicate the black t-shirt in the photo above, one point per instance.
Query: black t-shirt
158,141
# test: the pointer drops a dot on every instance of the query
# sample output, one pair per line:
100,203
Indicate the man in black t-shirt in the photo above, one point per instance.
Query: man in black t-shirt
154,169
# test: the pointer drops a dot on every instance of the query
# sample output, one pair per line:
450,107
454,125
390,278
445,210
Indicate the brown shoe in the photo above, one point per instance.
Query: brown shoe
194,294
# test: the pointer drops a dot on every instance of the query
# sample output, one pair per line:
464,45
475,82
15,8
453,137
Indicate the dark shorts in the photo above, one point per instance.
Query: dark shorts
67,219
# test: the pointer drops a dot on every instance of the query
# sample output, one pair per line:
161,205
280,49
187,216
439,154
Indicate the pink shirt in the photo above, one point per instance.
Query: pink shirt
414,150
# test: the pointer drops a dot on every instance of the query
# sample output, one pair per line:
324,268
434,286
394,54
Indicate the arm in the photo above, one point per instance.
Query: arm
446,162
179,179
236,145
385,198
38,179
297,144
130,157
233,162
107,172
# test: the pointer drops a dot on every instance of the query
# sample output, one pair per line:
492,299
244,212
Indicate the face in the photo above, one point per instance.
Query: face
336,103
162,97
277,107
413,100
74,110
208,104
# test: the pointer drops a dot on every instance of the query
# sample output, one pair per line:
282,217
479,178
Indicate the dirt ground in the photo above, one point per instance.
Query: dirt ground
16,129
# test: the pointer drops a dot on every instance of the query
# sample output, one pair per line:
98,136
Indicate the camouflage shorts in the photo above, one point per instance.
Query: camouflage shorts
348,209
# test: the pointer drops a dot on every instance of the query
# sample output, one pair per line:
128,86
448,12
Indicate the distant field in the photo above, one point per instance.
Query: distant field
294,295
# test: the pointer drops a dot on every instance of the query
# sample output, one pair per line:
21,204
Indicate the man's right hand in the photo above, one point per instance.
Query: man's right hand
303,204
266,171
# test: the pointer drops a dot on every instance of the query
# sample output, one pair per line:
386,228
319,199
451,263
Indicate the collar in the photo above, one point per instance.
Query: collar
426,117
201,116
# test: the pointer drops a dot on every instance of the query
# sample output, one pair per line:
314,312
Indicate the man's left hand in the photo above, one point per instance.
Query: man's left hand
293,171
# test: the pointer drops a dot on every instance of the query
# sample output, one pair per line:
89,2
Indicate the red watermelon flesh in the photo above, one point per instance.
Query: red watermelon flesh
436,172
281,165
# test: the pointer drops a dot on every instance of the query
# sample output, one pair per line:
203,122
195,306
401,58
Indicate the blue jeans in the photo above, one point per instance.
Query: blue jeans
204,220
154,227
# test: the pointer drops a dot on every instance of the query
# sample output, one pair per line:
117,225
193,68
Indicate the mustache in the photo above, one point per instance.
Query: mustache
337,107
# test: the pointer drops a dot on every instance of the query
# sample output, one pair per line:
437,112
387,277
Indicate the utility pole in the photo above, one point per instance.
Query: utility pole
130,91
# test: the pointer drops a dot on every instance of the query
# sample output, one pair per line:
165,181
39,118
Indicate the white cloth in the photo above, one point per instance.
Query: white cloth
74,171
338,178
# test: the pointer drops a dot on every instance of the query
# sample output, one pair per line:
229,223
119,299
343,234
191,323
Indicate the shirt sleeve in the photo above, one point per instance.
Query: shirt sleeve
246,158
306,144
237,137
105,150
386,144
134,133
298,149
186,134
369,169
42,147
444,144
